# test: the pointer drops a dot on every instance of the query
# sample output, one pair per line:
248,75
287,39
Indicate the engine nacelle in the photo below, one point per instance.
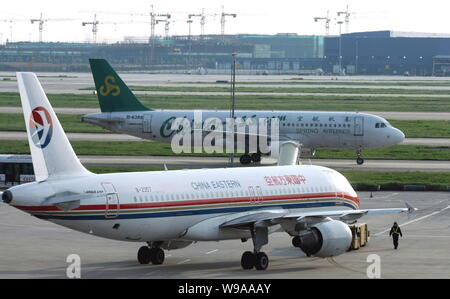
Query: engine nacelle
326,239
175,244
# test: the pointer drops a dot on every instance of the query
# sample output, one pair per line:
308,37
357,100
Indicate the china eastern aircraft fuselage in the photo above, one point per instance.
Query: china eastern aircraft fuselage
172,209
122,112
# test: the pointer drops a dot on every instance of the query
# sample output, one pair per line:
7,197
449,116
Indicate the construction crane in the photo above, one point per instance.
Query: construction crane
327,22
222,21
165,20
154,21
41,22
166,25
94,27
202,17
347,14
189,24
95,24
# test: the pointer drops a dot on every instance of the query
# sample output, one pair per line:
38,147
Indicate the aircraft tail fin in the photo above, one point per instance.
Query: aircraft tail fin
51,152
113,94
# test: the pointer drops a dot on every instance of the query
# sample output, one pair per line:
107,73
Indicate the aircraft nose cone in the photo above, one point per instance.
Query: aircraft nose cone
397,136
400,136
7,197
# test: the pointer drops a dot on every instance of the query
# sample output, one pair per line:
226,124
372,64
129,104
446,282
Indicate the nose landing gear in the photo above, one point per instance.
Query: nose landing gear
359,159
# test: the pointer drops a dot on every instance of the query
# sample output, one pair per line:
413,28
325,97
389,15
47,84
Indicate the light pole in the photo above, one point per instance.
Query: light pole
233,101
340,47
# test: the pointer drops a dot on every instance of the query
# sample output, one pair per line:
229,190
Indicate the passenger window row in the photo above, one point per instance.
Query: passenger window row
228,194
316,125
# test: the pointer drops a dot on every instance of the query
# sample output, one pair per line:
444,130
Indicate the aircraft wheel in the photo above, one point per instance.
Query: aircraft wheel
262,261
245,159
256,158
248,260
157,256
144,255
359,161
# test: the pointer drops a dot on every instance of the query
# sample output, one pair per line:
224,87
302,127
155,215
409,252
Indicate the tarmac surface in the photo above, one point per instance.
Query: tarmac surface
179,162
32,248
73,82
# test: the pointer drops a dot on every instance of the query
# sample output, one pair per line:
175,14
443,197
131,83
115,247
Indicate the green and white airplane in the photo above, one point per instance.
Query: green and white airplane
122,112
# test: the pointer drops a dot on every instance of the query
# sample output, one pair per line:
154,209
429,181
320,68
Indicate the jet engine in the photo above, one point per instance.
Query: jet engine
325,239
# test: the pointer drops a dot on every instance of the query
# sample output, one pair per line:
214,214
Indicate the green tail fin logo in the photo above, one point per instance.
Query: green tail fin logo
109,87
112,93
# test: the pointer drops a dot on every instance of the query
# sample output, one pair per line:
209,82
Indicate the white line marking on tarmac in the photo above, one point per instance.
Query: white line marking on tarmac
185,261
212,251
425,236
415,220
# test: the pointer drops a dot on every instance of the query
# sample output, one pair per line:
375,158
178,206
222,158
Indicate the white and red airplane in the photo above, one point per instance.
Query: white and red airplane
172,209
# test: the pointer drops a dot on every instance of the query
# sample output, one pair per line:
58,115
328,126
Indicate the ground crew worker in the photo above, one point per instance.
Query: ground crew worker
395,232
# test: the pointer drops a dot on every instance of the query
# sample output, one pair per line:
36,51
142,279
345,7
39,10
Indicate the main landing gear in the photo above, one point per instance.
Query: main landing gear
359,159
152,253
256,259
246,159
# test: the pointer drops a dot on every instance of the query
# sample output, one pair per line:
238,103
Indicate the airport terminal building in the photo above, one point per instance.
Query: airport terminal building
362,53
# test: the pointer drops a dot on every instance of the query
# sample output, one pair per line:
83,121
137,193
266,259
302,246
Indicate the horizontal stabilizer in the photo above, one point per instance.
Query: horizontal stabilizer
68,200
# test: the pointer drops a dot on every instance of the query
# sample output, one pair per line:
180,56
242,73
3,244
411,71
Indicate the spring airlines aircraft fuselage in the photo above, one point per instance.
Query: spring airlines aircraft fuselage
174,205
311,129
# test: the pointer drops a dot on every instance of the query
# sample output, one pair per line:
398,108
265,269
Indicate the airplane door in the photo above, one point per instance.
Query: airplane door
112,205
359,126
147,123
251,192
259,194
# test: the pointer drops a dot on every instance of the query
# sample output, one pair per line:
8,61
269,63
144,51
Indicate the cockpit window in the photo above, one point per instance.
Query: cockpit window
380,125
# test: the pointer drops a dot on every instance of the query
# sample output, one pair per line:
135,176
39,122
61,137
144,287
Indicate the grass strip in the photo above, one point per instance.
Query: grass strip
257,102
397,152
283,89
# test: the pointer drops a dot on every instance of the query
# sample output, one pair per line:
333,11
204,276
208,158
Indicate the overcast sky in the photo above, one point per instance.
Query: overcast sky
257,17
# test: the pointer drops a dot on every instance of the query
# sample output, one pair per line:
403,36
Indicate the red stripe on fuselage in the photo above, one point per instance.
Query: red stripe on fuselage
179,203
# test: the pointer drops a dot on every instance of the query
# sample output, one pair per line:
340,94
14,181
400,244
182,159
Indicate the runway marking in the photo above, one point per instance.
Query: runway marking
212,251
414,220
185,261
425,236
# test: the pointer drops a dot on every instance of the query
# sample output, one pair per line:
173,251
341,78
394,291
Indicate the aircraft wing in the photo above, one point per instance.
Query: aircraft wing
268,217
237,133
